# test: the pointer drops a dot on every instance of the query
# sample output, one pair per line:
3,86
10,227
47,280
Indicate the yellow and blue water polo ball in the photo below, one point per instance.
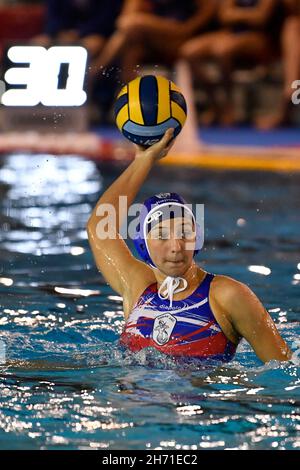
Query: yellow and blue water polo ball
147,106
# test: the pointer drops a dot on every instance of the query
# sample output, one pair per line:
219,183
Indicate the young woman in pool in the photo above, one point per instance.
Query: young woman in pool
170,303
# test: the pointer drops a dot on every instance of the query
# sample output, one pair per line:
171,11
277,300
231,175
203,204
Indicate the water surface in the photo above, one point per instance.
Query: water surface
66,384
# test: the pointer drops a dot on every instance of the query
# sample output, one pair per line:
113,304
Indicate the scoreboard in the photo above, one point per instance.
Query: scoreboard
40,84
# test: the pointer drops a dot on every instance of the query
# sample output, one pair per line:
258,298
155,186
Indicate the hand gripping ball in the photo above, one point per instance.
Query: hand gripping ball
147,106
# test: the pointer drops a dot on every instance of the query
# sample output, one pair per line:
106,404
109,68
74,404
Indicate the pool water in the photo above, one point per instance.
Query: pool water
66,384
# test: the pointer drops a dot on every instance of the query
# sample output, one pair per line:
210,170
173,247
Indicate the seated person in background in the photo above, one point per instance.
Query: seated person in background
245,33
158,27
85,22
290,41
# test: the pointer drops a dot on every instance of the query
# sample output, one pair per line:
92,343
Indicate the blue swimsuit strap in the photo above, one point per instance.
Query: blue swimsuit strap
205,284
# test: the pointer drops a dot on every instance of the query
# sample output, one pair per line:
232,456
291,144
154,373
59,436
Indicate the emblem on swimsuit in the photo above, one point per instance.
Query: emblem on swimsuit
163,327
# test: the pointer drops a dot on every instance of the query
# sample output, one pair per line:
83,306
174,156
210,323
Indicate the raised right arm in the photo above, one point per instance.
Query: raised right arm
112,256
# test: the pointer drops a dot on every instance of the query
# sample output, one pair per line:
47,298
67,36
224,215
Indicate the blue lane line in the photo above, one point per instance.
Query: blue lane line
231,136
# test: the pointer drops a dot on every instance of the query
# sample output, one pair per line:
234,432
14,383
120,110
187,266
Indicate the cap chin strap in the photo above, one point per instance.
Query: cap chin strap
170,286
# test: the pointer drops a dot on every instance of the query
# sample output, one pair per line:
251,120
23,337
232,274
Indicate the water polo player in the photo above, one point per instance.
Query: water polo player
170,303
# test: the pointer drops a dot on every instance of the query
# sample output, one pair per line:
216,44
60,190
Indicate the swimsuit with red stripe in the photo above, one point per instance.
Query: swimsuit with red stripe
187,329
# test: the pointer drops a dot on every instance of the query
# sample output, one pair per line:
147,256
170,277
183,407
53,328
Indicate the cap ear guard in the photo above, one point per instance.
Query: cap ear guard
199,239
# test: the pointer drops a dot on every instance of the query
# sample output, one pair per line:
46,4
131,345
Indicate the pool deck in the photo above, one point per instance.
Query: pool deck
241,148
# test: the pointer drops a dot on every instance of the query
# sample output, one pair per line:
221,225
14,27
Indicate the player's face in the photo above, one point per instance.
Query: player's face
171,244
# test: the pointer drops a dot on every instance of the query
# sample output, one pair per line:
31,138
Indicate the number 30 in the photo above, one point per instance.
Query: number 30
41,77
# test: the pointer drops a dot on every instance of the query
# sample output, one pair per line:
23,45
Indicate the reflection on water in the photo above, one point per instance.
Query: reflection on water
66,383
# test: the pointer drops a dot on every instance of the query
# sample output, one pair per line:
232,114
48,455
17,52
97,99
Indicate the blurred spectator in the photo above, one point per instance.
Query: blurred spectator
154,30
88,22
246,32
290,41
